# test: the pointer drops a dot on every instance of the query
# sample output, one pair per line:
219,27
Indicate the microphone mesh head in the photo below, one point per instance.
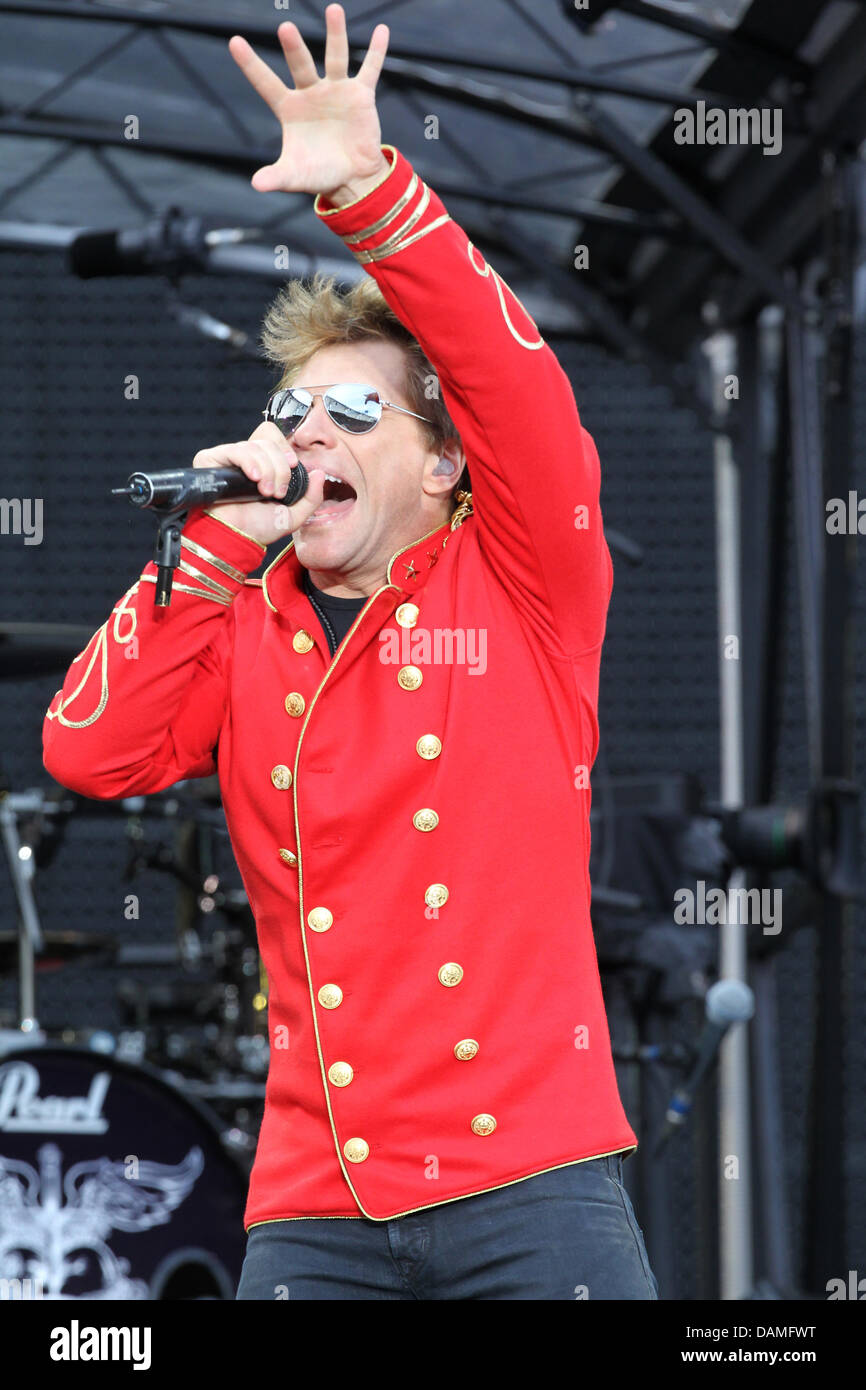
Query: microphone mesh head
729,1001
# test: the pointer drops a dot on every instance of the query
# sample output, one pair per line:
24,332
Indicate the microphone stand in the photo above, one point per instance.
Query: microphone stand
171,519
166,552
736,1233
170,496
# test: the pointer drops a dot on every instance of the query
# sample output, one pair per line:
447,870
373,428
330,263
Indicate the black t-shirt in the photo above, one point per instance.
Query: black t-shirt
336,615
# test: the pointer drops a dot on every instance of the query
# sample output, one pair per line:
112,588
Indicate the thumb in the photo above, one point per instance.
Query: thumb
307,504
266,179
291,518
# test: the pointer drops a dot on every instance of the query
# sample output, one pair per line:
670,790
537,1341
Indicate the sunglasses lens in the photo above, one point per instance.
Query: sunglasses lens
287,409
354,408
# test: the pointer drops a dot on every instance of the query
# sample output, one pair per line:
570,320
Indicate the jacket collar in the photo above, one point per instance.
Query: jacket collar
408,569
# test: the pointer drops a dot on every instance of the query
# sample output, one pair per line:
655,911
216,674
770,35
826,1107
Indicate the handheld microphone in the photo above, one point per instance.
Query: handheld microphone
727,1002
180,488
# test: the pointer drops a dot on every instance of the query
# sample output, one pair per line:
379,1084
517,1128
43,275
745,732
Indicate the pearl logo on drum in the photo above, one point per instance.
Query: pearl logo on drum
23,1109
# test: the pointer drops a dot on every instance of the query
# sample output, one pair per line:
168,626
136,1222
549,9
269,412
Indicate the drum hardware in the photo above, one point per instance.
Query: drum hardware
174,1001
205,1035
129,1045
222,1088
241,1141
21,868
59,948
16,1039
31,823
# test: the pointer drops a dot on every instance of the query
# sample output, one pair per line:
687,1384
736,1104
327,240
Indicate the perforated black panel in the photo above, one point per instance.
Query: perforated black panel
67,349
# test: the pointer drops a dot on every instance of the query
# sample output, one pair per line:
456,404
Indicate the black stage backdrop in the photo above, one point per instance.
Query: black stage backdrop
66,349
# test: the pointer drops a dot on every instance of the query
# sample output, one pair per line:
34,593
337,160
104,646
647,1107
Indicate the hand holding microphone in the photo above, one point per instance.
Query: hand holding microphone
268,461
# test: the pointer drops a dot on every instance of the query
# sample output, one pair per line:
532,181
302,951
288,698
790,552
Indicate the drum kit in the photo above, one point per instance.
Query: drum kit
125,1153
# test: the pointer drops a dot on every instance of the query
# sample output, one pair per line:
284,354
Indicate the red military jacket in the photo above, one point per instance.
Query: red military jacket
411,817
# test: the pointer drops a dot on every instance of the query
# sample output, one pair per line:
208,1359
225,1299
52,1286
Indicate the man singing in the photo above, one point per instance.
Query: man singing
402,713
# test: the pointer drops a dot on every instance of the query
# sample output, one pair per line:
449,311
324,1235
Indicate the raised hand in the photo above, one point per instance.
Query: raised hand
331,132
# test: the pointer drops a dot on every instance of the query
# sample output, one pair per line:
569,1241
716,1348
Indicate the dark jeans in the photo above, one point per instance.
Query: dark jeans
568,1233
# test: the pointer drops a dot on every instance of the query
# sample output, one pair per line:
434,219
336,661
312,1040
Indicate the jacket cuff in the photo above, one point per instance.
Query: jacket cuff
397,212
215,559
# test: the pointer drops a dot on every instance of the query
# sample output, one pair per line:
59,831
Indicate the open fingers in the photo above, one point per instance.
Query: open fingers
300,60
257,72
336,43
374,58
297,55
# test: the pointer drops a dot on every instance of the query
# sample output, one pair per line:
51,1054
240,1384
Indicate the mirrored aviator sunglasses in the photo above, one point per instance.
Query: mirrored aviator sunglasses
353,406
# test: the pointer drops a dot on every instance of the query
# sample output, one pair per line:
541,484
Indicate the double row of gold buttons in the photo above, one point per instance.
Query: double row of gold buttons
429,746
321,919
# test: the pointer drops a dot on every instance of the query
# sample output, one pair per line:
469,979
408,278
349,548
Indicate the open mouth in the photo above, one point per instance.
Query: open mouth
338,497
338,491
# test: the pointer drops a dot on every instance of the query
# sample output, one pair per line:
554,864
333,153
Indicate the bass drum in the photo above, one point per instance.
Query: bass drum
113,1185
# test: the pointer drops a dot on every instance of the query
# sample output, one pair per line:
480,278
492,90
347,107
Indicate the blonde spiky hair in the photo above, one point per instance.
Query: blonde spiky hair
308,316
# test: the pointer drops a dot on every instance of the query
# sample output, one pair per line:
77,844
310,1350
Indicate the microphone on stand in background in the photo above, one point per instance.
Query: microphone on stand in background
727,1002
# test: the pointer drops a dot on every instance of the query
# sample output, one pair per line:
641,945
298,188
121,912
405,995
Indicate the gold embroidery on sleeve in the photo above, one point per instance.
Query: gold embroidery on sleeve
364,257
499,282
217,593
188,589
212,585
377,226
222,565
100,649
395,241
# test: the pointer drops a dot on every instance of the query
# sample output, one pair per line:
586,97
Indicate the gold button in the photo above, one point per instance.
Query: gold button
407,614
429,746
281,777
295,705
340,1073
330,996
466,1049
289,858
483,1124
302,641
450,973
436,895
356,1150
320,919
409,677
425,819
